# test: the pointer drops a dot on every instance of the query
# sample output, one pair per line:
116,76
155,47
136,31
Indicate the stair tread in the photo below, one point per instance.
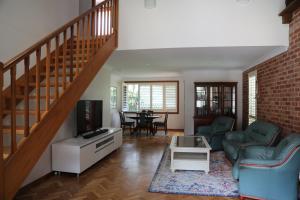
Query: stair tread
21,111
51,84
5,127
19,130
33,97
59,74
68,62
5,155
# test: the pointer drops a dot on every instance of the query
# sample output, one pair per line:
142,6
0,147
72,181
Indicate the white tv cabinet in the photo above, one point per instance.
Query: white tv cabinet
75,155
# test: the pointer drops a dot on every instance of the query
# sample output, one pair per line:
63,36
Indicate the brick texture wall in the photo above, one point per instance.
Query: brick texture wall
279,85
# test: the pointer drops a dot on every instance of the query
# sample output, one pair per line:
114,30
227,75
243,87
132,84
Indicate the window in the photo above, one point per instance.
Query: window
154,95
113,97
252,82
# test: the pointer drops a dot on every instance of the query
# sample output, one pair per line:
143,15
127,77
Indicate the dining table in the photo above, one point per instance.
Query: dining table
149,117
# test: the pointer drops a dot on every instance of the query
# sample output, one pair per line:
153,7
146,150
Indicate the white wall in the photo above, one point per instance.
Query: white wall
99,89
84,5
201,23
25,22
209,76
116,81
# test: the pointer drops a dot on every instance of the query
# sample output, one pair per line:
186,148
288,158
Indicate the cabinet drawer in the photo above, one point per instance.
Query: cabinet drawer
86,157
103,151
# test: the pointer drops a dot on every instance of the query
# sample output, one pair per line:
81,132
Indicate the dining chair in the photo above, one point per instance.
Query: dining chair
143,122
163,124
150,112
125,123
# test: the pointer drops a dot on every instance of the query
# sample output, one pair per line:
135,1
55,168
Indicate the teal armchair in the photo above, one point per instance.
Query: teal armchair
270,172
215,133
259,133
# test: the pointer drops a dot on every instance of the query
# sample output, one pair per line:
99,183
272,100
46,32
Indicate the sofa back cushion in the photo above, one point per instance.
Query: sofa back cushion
286,146
222,124
262,132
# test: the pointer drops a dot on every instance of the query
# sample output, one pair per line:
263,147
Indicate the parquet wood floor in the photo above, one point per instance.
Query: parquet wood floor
123,175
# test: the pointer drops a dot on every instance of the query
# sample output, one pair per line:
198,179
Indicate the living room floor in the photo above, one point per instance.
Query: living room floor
124,174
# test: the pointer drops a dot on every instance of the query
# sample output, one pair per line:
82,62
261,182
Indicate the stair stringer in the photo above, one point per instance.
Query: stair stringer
19,165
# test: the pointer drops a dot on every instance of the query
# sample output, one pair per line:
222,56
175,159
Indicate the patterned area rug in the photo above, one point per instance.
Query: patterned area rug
218,182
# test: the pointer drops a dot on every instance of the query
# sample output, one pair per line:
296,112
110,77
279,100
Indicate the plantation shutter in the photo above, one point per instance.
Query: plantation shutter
157,97
171,97
125,98
252,81
145,93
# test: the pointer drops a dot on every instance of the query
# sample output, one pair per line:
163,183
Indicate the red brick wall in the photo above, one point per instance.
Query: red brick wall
279,85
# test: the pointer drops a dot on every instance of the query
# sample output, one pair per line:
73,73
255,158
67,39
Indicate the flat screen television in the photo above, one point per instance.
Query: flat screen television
89,116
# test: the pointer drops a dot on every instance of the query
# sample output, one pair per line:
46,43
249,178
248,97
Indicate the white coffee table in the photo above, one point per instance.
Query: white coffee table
190,153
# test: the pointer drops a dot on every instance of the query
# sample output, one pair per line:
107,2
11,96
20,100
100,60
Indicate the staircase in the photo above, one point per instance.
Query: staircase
41,86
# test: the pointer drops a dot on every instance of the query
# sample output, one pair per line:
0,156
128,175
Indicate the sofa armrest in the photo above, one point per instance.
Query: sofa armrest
235,135
204,130
219,131
257,163
245,145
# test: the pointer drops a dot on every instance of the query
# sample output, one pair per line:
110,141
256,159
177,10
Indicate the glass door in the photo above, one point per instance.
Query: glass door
215,100
201,101
229,100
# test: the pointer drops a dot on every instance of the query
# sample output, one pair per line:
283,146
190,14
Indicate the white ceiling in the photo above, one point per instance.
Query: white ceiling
168,62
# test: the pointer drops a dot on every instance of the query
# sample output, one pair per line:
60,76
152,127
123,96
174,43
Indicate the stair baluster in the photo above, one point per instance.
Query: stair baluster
13,140
48,62
88,36
37,85
26,96
56,66
72,52
77,48
64,78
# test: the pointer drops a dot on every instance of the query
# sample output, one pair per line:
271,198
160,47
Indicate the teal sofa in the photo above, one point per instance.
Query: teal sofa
270,172
259,133
215,133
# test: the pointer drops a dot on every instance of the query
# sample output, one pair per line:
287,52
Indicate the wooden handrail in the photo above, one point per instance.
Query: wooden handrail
52,35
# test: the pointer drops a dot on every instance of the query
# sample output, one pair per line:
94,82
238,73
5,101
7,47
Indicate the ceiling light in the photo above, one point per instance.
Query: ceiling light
243,1
149,4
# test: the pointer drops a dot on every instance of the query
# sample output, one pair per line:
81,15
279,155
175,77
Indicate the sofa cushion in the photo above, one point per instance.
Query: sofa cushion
222,124
231,148
259,133
262,132
286,146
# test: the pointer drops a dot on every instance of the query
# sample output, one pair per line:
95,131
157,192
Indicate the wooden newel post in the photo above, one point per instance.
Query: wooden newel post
1,134
116,24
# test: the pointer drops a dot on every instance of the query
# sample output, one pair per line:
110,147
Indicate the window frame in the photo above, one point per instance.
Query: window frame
150,83
116,99
252,118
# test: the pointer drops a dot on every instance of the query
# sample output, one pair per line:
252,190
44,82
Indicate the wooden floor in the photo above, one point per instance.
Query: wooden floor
124,174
